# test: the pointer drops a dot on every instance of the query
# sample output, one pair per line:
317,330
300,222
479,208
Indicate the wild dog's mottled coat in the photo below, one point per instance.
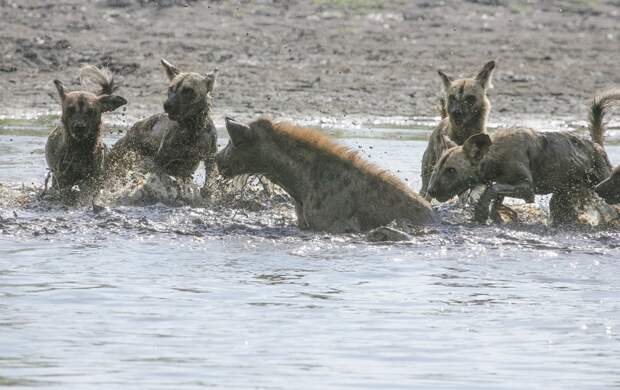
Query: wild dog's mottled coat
464,109
334,189
179,139
75,151
522,162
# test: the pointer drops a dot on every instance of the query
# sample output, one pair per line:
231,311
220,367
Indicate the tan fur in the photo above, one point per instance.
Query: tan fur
181,137
313,139
520,163
75,151
334,189
464,109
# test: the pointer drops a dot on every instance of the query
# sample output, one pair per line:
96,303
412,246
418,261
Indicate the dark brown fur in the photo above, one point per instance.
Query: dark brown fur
334,189
179,139
609,189
520,163
75,151
464,108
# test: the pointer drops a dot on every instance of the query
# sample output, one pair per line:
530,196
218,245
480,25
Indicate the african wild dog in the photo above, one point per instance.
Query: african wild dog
179,139
334,189
520,163
75,151
464,108
609,189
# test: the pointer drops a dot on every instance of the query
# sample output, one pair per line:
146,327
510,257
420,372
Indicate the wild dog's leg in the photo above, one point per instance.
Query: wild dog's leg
495,192
209,162
301,220
497,207
428,163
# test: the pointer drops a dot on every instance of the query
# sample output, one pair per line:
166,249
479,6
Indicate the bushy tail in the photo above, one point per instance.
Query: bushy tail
598,108
101,80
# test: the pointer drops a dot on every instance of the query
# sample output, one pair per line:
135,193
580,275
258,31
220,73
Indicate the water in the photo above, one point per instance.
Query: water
181,298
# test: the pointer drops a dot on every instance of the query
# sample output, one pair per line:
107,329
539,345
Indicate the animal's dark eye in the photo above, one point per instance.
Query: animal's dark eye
450,171
70,110
451,98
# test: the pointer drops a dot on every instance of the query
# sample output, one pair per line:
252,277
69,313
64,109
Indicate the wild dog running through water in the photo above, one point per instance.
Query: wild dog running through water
464,111
609,189
334,189
75,151
179,139
520,163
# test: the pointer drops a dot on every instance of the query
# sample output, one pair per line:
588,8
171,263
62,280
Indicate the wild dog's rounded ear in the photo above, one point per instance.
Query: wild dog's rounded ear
60,88
477,146
171,70
447,81
110,102
210,79
484,77
238,132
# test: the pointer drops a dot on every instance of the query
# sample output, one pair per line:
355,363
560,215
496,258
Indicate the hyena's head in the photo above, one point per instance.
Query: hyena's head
189,94
81,112
457,168
245,152
609,189
466,99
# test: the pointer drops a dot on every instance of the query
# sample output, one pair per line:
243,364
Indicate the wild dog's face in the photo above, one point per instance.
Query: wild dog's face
609,189
457,169
187,92
81,111
465,99
243,154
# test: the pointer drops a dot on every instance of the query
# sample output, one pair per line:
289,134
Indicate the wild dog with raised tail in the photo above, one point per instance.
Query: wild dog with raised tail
181,137
464,108
520,163
75,151
334,189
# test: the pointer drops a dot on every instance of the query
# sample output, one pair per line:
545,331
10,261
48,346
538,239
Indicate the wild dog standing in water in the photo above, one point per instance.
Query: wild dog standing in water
464,111
75,151
609,189
179,139
520,163
334,189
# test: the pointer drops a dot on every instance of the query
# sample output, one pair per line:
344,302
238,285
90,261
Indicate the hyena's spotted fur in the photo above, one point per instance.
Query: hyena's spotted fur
75,151
334,189
181,137
464,108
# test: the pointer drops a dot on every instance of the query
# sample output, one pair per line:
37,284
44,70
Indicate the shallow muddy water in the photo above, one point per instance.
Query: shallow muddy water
181,298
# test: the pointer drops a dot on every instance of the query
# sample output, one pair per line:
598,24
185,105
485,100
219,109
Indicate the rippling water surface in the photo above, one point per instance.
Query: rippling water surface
181,298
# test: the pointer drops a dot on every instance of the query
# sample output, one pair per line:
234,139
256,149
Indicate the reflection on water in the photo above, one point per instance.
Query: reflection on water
179,298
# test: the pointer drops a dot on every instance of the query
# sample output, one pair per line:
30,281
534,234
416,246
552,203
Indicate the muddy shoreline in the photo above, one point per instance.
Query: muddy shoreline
321,58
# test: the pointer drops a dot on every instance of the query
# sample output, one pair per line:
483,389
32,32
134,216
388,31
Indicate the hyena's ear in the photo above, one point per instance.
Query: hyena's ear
484,77
238,132
447,81
210,80
110,102
60,88
476,146
171,70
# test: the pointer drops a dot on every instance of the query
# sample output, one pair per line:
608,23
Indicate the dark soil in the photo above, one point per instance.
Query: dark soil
315,57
